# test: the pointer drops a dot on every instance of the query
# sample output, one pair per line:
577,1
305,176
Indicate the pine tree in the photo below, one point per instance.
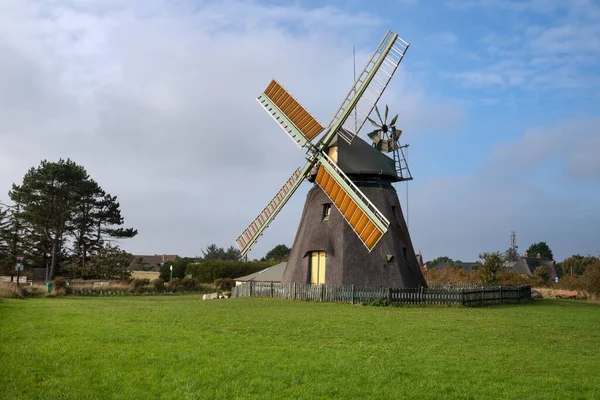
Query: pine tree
59,204
95,221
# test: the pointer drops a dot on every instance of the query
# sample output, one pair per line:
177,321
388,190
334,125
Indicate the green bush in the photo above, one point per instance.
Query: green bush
139,285
158,284
207,271
381,302
183,285
179,268
540,276
59,283
190,284
224,283
175,285
591,278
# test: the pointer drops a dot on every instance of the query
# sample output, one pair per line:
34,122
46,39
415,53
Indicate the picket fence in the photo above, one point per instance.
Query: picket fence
466,294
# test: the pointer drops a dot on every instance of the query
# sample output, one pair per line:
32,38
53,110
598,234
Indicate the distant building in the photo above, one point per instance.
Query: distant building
271,274
526,266
156,260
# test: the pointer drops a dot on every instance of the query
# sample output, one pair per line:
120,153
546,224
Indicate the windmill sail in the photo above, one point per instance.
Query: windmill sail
368,88
251,234
294,119
364,218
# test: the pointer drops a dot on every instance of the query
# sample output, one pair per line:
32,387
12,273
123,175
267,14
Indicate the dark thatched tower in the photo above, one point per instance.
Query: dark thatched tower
326,250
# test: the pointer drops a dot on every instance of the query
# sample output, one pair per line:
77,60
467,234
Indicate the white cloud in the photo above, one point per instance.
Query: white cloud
157,101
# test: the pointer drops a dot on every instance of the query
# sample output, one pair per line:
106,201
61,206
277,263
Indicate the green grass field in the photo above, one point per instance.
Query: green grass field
180,347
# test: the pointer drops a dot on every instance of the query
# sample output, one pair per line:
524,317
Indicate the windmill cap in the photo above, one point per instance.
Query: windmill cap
360,158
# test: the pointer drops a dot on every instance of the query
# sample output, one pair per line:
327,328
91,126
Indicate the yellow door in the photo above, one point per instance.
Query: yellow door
322,259
317,267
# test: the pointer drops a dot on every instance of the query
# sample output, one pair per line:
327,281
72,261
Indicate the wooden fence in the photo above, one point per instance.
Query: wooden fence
439,294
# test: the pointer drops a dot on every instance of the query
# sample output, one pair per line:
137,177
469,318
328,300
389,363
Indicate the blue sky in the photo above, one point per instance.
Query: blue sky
498,100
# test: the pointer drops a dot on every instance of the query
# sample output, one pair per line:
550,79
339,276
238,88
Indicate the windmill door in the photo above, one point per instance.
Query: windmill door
318,261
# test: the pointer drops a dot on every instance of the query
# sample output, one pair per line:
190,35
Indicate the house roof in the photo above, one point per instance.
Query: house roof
155,259
271,274
528,265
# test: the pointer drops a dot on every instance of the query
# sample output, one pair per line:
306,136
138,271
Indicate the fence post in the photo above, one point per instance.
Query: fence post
294,291
322,287
421,296
271,293
389,295
519,293
352,294
501,295
250,289
462,296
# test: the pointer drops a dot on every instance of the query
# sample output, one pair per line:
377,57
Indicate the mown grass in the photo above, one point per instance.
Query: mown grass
185,348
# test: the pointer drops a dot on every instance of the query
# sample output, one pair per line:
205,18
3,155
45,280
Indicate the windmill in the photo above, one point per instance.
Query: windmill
341,164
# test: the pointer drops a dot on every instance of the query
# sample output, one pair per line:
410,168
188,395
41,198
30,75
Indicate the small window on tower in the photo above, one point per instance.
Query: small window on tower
326,211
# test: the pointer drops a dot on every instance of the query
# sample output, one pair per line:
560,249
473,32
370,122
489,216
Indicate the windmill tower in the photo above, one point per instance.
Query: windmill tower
352,230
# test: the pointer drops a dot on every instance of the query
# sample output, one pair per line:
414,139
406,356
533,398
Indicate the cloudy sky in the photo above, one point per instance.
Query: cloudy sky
498,99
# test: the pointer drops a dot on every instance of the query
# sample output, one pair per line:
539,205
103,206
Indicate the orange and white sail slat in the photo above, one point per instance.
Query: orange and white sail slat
289,106
362,216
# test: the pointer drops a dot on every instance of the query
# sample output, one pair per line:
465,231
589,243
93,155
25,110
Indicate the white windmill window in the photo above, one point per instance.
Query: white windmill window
326,211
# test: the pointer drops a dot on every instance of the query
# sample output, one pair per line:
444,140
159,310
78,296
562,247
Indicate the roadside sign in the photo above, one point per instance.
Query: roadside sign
19,267
20,259
556,279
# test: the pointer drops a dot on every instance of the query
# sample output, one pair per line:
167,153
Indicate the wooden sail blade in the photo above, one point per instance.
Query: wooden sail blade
294,119
251,234
368,88
364,218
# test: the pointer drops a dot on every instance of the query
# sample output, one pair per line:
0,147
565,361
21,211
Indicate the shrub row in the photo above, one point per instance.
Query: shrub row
589,281
208,271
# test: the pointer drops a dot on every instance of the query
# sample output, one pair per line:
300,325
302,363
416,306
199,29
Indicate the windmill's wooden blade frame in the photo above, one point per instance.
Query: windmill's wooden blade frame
368,88
356,208
291,116
251,234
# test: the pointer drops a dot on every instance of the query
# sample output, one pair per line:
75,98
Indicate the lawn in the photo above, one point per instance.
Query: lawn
180,347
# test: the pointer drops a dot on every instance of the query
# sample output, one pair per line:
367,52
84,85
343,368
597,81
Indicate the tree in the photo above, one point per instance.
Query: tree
577,264
511,254
4,232
48,198
541,275
213,252
110,262
179,268
540,248
492,263
591,277
58,201
278,253
232,253
440,260
96,219
136,264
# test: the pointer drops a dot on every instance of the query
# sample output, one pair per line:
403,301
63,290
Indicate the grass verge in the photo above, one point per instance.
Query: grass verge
185,348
